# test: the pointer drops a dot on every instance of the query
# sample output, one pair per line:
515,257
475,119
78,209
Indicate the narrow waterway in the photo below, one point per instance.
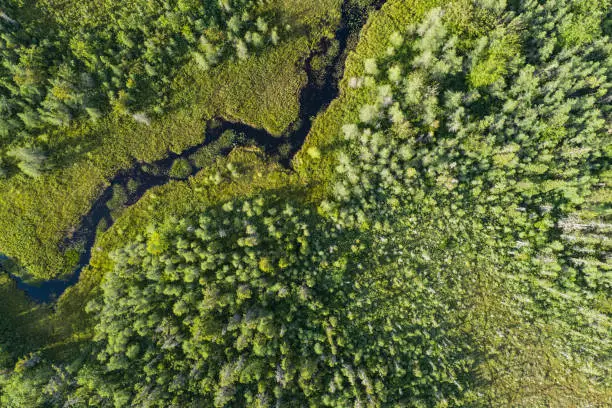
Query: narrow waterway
321,89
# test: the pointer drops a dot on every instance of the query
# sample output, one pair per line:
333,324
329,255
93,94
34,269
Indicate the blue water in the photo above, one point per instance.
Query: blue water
47,291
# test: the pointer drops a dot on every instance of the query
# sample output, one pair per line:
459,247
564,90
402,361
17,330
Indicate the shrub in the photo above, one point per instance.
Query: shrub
181,169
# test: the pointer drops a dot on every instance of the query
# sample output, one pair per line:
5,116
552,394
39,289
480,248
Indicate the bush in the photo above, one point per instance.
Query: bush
118,199
181,169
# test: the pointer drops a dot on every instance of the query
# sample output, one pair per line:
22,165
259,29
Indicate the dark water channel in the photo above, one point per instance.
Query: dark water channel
321,89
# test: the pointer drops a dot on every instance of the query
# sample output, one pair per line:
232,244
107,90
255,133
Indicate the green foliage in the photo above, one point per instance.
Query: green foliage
206,156
118,199
181,169
23,325
265,297
31,161
263,91
132,186
88,61
452,250
491,67
25,388
515,141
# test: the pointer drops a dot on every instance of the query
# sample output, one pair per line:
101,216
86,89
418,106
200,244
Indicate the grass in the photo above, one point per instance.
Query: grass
25,325
36,215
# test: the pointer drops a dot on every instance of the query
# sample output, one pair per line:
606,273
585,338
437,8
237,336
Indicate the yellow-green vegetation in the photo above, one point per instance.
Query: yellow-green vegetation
325,136
25,326
36,215
442,240
244,173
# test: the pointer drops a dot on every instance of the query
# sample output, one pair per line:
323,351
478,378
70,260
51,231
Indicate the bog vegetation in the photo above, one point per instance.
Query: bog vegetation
85,155
453,249
70,62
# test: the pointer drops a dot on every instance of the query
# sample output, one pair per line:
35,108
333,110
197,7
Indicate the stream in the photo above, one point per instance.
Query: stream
321,88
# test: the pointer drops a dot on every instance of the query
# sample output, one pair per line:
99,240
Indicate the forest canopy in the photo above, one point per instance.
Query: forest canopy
456,254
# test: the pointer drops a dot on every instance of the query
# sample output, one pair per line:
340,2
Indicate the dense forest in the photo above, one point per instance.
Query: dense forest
441,238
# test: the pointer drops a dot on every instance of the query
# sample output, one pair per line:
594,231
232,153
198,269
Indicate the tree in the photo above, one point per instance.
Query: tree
31,160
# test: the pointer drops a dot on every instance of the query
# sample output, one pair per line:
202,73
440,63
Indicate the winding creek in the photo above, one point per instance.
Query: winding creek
321,89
